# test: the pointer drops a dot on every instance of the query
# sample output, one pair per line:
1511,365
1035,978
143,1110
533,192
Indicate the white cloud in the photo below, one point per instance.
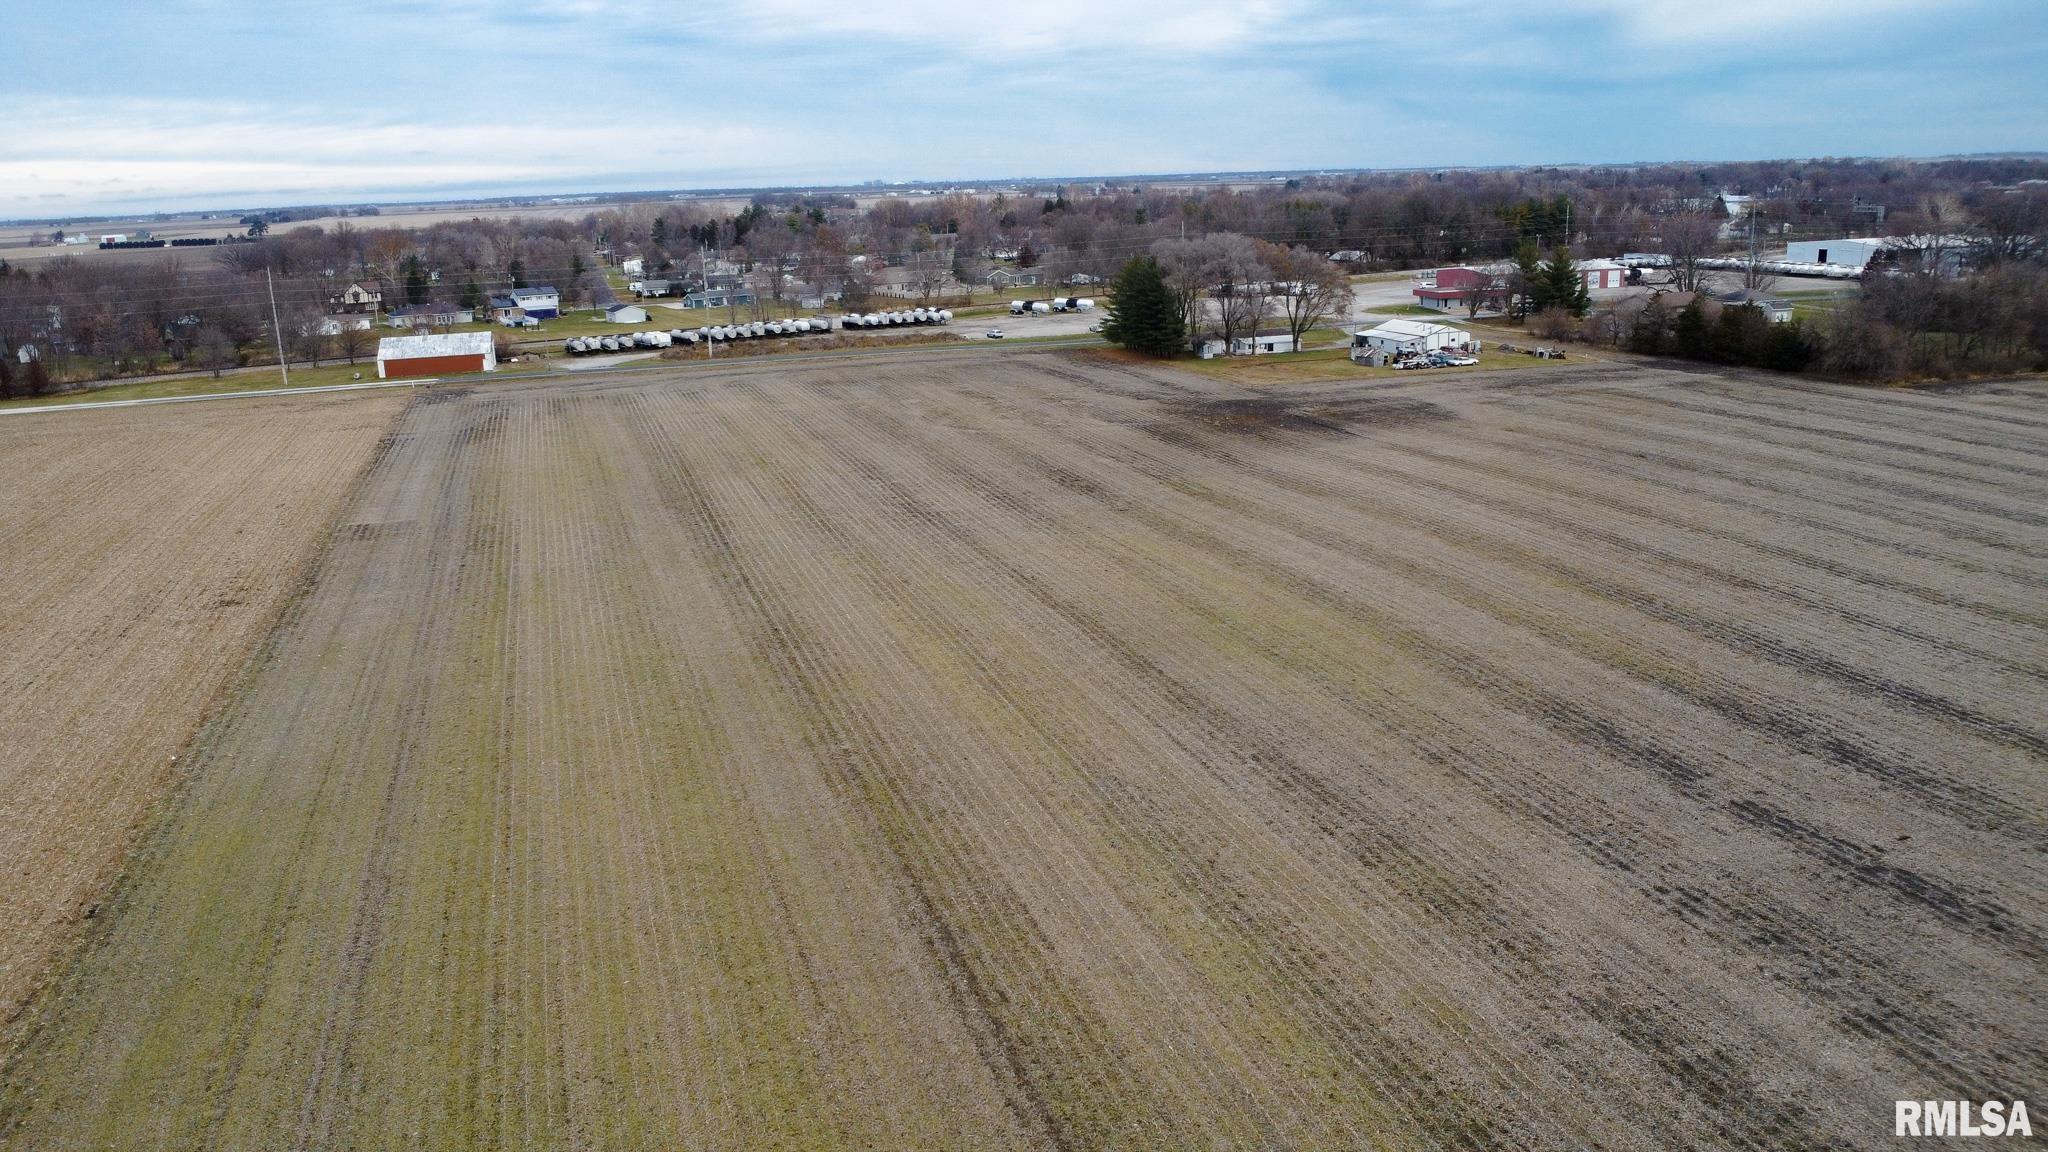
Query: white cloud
1739,26
87,154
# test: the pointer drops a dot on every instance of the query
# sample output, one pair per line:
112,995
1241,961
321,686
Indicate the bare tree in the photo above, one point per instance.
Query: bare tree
1313,288
1183,264
1239,283
1689,238
353,342
928,273
303,335
215,350
1486,291
2011,228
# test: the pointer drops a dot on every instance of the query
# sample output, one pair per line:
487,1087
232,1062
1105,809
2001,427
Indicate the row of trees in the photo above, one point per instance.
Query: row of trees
1912,326
1226,284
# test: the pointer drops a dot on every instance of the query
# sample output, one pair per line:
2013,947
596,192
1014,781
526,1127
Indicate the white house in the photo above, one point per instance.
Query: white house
1265,343
1396,336
336,325
632,266
625,314
359,296
541,303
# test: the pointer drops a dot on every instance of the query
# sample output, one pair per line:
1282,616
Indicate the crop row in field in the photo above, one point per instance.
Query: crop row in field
1053,752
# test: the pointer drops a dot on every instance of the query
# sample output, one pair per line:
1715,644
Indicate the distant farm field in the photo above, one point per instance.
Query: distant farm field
985,750
142,555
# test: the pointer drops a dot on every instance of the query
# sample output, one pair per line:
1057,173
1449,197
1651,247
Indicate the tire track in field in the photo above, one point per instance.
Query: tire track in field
1670,765
781,642
996,494
1204,885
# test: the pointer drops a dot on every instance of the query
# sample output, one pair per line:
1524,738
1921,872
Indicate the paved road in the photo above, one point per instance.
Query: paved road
610,364
411,383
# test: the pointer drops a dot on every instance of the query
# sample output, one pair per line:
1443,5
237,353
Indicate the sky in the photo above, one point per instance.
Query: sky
166,105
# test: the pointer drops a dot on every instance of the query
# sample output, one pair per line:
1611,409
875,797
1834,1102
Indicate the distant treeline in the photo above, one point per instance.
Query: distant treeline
89,318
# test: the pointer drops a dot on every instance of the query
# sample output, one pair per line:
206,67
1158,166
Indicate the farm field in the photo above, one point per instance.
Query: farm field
142,564
1044,751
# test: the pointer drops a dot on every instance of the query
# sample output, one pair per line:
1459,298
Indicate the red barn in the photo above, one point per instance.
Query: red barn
442,354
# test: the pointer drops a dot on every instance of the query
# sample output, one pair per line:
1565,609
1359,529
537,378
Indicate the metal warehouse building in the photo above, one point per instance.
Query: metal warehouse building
435,355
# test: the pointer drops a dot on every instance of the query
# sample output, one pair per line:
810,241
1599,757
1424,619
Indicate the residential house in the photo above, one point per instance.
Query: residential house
1265,343
360,296
1779,311
540,302
429,315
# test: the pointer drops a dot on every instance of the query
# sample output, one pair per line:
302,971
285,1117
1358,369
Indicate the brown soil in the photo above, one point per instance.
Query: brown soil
1038,751
142,553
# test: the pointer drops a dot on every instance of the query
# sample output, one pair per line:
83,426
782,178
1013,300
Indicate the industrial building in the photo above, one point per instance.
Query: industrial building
1450,289
1853,252
446,353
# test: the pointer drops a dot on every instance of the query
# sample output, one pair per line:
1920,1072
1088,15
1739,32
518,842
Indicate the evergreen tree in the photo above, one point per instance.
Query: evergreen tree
1788,347
1690,335
472,295
1563,287
1142,314
415,276
1528,294
658,235
1651,335
516,270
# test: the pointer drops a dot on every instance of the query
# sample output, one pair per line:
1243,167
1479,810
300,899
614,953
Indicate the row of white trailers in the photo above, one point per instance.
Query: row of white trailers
893,319
1738,263
757,330
1056,304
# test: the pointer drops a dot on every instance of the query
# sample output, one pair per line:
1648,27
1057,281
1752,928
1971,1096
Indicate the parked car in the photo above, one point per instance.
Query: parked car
993,334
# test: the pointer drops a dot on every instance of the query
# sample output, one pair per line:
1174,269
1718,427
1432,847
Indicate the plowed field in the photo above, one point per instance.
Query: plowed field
142,556
1032,750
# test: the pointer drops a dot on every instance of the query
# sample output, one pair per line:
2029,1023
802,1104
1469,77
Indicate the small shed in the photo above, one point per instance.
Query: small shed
625,314
443,353
1396,336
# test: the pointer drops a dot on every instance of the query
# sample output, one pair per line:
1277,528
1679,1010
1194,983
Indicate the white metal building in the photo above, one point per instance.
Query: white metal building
626,314
1854,251
1408,336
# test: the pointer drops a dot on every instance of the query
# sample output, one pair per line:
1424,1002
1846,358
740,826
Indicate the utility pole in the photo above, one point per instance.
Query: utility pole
277,329
1749,278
